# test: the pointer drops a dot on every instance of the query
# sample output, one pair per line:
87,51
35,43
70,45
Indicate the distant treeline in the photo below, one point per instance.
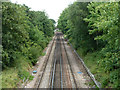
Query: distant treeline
93,27
25,34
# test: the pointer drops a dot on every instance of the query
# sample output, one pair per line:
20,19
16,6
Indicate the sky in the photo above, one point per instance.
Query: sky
52,7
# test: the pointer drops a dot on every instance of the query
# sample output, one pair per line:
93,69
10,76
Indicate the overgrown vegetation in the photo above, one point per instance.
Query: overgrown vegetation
25,34
93,29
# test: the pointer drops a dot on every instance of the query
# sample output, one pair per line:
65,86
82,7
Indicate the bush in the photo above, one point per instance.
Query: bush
25,32
24,75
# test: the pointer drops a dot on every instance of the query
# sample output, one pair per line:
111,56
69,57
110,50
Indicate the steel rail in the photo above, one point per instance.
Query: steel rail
61,66
45,64
52,72
69,65
53,75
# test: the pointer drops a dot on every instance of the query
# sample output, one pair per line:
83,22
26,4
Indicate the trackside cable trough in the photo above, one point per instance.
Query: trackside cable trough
88,71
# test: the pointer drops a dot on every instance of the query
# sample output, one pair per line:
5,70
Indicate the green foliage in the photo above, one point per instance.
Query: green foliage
103,21
62,22
25,34
43,54
24,75
10,78
14,31
41,21
72,24
34,53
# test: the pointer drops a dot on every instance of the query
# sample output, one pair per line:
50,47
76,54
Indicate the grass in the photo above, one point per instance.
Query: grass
43,54
10,78
92,62
13,77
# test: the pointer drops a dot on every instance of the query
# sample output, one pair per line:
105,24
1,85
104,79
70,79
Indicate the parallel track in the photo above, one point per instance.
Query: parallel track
57,70
57,60
52,78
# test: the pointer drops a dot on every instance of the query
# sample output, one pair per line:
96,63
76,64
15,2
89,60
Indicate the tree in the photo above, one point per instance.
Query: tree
25,33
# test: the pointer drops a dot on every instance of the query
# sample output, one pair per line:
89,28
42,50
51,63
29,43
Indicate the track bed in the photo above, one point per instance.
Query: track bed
62,68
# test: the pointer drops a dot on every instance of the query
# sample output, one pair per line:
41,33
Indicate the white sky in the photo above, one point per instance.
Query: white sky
52,7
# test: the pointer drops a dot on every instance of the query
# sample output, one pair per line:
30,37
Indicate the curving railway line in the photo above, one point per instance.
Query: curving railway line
61,68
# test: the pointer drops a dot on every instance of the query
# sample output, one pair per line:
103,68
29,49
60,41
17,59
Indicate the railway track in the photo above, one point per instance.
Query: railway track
58,70
38,82
60,74
72,73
